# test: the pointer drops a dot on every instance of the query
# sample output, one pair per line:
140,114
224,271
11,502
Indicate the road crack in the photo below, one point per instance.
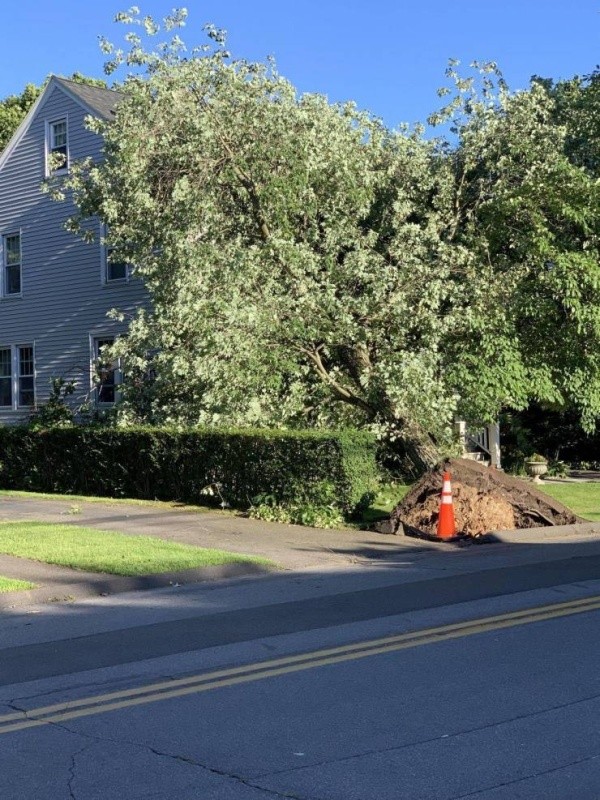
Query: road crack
72,767
180,759
526,777
222,773
431,740
73,761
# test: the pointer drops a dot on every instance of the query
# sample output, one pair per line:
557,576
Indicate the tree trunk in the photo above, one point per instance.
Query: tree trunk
421,451
414,452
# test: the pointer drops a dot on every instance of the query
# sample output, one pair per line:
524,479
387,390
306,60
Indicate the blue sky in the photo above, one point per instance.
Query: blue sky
387,55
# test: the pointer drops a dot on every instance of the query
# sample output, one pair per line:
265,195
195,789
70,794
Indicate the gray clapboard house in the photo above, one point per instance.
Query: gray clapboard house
55,289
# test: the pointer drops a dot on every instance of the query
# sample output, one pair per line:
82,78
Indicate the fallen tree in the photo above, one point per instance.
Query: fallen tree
309,267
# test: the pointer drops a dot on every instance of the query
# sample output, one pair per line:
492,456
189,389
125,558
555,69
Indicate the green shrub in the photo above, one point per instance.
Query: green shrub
309,468
55,412
558,469
265,507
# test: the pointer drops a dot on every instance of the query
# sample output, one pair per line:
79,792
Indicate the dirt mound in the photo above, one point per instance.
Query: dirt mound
484,500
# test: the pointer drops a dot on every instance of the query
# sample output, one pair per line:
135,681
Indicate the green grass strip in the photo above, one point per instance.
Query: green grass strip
17,494
11,585
581,498
105,551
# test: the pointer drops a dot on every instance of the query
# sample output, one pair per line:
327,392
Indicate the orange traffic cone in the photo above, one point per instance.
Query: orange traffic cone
446,527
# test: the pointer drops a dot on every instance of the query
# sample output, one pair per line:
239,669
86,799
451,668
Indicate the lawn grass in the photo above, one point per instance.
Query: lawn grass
582,498
11,585
106,551
386,499
133,501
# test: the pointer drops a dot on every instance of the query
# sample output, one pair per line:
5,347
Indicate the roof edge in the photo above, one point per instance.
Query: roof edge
54,82
62,82
25,123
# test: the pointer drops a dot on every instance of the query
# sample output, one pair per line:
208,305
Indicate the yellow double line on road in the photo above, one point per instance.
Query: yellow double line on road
166,690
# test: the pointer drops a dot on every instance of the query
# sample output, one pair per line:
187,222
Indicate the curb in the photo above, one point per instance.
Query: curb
579,531
103,585
582,530
457,540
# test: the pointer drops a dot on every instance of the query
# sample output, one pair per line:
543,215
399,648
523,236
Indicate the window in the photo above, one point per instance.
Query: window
12,263
17,376
25,375
115,270
106,372
57,146
5,377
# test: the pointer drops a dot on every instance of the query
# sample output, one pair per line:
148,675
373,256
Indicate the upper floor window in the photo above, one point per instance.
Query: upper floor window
17,376
11,256
58,150
116,270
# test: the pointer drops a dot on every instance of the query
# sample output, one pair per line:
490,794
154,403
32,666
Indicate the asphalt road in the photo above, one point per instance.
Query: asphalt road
349,687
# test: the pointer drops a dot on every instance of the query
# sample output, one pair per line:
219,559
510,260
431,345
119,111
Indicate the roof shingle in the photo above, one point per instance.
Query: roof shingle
102,102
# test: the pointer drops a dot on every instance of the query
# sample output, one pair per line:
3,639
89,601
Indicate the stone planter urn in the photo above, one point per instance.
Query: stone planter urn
535,469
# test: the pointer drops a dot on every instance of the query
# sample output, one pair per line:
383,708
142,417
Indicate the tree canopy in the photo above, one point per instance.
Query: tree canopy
307,265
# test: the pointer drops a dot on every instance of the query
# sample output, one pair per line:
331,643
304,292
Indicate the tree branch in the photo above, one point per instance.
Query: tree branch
241,174
341,392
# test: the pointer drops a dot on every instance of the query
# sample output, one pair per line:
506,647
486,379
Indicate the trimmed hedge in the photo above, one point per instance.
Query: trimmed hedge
317,467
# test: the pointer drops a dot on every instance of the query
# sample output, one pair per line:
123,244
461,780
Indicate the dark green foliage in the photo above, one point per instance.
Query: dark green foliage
556,434
234,466
55,412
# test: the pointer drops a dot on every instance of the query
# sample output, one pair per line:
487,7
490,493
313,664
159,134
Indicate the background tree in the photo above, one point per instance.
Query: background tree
13,109
308,266
528,212
577,108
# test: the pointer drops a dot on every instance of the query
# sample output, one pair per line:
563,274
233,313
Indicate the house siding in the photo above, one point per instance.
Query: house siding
64,302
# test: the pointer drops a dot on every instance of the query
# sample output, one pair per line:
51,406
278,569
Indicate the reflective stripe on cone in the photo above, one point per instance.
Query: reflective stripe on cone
446,527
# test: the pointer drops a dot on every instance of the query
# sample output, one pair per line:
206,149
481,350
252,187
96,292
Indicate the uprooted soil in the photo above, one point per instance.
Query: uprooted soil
484,500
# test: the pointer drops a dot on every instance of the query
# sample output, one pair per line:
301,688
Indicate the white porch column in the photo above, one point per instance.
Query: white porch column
494,439
461,429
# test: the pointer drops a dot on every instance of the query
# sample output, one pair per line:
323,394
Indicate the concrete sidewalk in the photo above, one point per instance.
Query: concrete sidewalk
291,547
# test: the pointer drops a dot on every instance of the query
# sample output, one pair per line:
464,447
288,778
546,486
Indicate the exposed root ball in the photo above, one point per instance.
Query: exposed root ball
484,500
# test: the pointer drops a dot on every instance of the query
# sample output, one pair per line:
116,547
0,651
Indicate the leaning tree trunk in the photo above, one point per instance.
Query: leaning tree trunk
421,451
415,450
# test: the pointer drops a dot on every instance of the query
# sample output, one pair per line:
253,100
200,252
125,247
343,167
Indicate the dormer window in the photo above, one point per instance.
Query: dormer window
58,153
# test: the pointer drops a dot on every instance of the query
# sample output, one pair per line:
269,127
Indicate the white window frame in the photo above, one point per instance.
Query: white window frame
50,145
105,263
6,265
95,340
15,376
10,406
